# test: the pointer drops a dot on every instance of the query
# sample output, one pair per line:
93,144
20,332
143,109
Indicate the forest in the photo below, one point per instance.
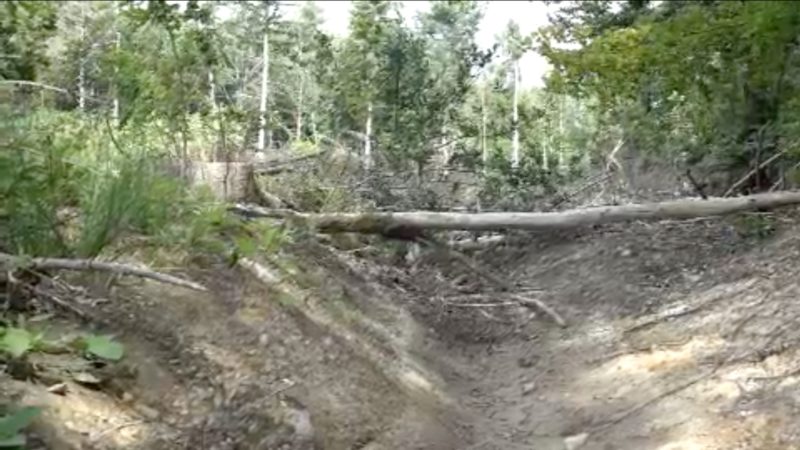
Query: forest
190,189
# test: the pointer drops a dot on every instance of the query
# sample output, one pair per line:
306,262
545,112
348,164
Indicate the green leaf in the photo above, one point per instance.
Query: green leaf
16,441
16,341
11,425
104,347
246,246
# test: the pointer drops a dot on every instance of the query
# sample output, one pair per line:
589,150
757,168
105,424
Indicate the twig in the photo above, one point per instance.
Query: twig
88,264
685,385
130,423
60,302
592,182
680,313
650,401
764,164
481,305
497,281
611,159
543,306
700,188
46,87
791,373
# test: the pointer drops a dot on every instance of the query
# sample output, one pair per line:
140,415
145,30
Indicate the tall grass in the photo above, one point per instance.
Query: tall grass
69,189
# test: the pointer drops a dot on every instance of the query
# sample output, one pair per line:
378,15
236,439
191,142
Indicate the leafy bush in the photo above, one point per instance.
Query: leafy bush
69,188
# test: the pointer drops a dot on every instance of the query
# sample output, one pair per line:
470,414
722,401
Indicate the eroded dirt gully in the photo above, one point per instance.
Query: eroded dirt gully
681,336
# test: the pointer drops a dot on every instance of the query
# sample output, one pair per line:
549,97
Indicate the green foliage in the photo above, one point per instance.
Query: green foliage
103,347
18,341
11,426
24,29
64,163
711,80
758,226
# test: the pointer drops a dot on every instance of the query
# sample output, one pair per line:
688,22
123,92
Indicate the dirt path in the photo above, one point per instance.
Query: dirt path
680,339
681,336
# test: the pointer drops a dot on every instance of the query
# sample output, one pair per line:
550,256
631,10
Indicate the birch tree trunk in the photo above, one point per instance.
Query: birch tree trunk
299,113
561,136
313,125
82,69
117,45
368,138
262,131
445,150
484,150
212,91
515,119
544,152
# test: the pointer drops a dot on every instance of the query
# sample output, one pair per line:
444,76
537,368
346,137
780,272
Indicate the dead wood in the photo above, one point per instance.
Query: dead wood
698,187
753,172
590,183
476,244
279,166
88,264
267,198
386,222
498,282
58,301
544,307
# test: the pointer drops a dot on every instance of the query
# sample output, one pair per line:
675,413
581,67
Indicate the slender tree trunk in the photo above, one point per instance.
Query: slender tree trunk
313,124
445,150
545,162
368,138
82,69
117,45
561,134
484,150
299,114
212,100
212,90
262,131
515,119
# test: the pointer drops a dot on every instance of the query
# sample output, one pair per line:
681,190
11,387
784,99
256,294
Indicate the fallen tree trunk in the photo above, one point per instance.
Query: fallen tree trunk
88,264
390,223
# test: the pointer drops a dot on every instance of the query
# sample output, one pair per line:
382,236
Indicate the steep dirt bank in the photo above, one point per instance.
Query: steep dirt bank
681,336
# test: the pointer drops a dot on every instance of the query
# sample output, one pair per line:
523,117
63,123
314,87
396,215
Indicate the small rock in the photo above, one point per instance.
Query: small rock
86,378
527,388
148,412
58,389
625,252
575,442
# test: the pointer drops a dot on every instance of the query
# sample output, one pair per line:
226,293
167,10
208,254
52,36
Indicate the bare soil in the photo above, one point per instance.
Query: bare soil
681,336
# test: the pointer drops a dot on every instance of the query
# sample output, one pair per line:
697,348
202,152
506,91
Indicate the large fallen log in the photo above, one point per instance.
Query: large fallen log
390,223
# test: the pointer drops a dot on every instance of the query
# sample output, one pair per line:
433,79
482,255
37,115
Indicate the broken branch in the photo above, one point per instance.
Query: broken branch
88,264
750,174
